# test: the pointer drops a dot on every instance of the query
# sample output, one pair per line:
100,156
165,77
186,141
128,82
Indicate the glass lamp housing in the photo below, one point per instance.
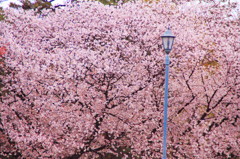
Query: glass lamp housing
167,40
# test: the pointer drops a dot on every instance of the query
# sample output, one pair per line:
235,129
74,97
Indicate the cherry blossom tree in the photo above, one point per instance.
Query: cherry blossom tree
87,80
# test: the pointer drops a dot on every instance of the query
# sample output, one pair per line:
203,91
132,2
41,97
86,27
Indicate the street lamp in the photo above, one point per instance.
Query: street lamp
167,39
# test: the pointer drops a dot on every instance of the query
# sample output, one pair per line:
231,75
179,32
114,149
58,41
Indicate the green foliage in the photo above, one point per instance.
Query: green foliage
109,2
38,5
1,14
112,2
3,73
212,63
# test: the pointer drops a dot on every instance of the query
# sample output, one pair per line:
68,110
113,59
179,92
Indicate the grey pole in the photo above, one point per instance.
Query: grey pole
165,118
168,39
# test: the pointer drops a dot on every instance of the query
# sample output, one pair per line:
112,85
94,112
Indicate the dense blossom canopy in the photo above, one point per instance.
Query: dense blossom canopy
87,80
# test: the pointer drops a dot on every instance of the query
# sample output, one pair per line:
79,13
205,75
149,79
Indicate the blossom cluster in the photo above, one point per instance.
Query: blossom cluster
88,79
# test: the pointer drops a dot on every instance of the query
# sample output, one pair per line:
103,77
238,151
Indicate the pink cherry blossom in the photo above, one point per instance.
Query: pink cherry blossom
87,80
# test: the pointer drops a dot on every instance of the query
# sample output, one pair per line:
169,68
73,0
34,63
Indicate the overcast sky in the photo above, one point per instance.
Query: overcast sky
6,3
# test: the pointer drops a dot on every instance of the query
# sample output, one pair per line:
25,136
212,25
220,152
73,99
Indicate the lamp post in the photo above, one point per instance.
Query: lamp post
167,39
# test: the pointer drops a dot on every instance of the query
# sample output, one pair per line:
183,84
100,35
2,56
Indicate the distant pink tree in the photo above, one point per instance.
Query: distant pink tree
87,80
2,50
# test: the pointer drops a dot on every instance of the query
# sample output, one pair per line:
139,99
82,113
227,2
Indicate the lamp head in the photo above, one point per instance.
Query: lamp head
167,40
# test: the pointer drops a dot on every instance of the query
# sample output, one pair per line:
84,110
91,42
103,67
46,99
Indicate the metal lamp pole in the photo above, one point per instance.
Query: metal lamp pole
168,39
